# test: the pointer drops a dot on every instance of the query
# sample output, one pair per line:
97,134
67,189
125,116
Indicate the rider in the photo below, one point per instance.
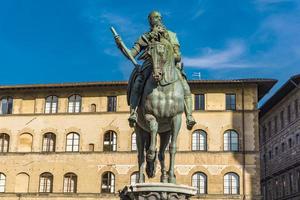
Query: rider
157,31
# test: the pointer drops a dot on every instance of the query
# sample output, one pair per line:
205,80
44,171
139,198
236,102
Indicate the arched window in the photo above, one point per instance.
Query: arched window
25,142
231,141
199,141
108,182
110,141
51,104
46,182
74,104
4,142
133,142
231,183
134,178
199,181
6,104
22,183
93,107
70,183
2,182
72,142
49,142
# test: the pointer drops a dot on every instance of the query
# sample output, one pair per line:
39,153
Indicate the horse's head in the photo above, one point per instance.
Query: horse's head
157,52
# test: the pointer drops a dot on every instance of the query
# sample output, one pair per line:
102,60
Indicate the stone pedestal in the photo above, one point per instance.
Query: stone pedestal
157,191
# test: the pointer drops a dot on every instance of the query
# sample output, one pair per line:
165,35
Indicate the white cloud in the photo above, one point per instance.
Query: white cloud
198,13
230,57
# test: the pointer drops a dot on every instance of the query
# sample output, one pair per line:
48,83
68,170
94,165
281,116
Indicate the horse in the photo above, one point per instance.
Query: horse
159,112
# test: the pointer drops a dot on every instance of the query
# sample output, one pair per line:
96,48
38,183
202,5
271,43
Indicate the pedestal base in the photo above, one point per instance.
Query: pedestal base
157,191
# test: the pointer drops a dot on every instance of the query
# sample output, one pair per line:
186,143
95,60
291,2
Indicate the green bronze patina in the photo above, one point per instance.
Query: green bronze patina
158,94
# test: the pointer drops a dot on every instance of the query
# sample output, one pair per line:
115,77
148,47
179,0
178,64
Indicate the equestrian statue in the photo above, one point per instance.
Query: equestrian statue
158,94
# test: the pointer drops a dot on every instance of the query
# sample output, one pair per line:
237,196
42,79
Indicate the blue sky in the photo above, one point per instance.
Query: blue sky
55,41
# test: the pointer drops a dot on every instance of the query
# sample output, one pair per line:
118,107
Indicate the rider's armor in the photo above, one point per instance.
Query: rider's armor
145,70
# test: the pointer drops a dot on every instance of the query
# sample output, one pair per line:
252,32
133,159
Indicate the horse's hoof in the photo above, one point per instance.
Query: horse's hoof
172,179
164,179
141,179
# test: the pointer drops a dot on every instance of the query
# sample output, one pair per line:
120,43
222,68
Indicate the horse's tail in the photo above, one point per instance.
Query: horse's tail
151,166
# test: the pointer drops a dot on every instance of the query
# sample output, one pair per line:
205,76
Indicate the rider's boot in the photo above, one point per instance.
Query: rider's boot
188,102
133,117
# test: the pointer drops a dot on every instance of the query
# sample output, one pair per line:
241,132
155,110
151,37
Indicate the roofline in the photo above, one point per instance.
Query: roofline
284,90
264,85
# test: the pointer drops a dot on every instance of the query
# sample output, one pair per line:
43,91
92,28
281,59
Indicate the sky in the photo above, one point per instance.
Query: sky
57,41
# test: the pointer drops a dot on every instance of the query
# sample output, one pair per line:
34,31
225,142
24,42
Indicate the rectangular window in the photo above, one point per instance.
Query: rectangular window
276,151
270,128
291,182
112,104
289,113
275,124
6,104
276,188
199,102
296,109
290,143
230,102
282,147
283,186
298,180
282,119
264,130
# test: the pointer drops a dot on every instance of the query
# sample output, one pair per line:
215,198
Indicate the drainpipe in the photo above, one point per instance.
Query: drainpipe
244,142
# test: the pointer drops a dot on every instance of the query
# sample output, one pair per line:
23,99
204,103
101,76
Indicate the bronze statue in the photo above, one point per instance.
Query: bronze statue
158,101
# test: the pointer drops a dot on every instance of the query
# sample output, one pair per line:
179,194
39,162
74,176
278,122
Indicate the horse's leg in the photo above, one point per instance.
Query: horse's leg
153,125
140,142
176,124
164,141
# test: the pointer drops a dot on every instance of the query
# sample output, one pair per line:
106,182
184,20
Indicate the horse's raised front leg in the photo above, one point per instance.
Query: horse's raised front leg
141,137
176,124
164,141
153,125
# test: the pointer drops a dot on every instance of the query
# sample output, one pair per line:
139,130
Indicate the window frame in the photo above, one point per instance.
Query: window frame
230,142
229,105
135,176
48,144
133,142
109,182
72,139
112,104
8,105
112,142
46,176
199,102
70,176
2,180
196,140
4,137
230,185
200,174
77,99
53,101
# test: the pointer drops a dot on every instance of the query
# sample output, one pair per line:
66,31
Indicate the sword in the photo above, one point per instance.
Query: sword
123,47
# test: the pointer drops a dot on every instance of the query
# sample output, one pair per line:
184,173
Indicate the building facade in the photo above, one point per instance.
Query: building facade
280,143
72,141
